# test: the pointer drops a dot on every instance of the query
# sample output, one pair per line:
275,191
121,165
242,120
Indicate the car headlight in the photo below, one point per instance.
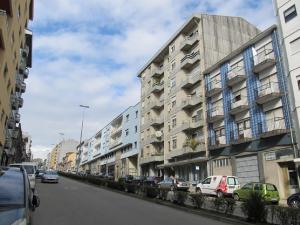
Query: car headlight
20,222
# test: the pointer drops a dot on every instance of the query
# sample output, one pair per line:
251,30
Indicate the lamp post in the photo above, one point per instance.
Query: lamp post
80,145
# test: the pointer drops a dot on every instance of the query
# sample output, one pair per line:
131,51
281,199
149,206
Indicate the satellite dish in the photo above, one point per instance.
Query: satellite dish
158,133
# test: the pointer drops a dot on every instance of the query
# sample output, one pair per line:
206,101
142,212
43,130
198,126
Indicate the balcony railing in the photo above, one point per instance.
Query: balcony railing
238,106
157,87
156,104
14,102
153,157
157,121
189,41
189,60
243,136
213,87
268,92
215,114
274,126
191,102
190,80
264,60
116,131
235,75
157,71
195,123
217,142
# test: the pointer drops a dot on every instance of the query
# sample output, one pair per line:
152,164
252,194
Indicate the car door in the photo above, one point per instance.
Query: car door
231,185
245,191
205,186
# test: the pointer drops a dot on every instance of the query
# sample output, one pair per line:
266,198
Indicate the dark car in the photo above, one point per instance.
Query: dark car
152,181
138,180
17,200
294,200
126,179
39,174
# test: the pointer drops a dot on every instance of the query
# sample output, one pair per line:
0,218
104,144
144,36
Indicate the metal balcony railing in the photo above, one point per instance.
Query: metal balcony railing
263,60
236,75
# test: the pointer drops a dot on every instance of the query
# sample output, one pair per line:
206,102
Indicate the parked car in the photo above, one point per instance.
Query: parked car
50,177
39,174
138,180
294,200
30,170
268,191
126,179
152,181
174,184
17,200
218,185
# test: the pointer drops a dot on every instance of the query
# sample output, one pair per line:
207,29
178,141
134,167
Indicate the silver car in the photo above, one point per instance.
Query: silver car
178,184
50,177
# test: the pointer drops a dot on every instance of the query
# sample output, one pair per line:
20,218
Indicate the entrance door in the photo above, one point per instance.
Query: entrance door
247,169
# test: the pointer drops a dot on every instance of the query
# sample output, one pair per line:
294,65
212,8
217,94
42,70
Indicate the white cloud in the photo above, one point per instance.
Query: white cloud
89,52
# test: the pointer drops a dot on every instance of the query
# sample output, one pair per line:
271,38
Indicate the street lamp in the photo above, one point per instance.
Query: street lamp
80,148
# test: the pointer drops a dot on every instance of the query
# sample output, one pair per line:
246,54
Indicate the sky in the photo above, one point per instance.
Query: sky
89,53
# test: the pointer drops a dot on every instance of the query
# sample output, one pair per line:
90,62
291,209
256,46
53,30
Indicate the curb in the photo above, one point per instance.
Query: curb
201,212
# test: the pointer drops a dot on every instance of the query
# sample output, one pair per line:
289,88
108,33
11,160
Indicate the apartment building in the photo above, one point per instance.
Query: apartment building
287,12
173,128
248,115
27,141
60,150
68,163
15,59
114,149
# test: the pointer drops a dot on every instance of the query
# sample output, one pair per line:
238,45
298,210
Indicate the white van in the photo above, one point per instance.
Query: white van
218,185
30,170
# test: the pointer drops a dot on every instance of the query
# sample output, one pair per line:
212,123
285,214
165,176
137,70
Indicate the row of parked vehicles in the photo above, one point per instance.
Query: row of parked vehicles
219,186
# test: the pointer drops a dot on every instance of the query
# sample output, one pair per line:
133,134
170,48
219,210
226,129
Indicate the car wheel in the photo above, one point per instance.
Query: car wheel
220,194
236,197
294,203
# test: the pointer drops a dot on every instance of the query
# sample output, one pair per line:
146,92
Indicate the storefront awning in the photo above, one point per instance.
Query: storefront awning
183,162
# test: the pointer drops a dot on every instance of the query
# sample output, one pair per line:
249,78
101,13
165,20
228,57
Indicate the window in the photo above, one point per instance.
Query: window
135,128
135,144
237,98
173,65
173,103
136,114
127,132
295,45
258,187
206,181
173,83
172,48
271,187
174,143
247,186
127,117
290,13
174,122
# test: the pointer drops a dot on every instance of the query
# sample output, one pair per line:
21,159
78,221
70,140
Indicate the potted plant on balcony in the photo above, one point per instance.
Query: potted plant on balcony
192,143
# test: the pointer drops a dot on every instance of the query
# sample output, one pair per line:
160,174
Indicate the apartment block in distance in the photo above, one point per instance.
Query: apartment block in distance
288,15
173,128
15,59
248,114
114,149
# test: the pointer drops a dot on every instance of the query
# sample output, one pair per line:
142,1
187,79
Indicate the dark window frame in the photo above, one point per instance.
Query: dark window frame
291,15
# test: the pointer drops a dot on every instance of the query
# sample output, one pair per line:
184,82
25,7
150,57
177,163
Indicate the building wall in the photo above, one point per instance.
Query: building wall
172,88
14,18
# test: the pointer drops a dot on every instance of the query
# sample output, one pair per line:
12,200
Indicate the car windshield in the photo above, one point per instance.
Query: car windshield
29,169
180,180
51,173
271,187
12,188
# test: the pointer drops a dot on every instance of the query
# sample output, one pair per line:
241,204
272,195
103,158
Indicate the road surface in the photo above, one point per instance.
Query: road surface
75,203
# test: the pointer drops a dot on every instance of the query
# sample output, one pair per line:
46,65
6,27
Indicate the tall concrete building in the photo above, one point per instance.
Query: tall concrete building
114,149
248,115
173,128
287,12
15,59
27,145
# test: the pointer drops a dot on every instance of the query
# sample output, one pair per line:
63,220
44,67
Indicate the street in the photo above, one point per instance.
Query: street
74,203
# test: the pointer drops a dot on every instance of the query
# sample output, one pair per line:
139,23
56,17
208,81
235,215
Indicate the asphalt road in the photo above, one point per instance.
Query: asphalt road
74,203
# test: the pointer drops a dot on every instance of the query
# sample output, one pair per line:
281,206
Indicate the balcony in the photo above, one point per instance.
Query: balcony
157,87
274,126
217,142
186,150
20,102
215,114
17,117
191,102
157,121
25,73
114,143
14,102
154,157
214,87
20,84
155,139
117,131
190,80
157,72
264,60
235,76
156,104
192,125
243,136
11,124
238,106
188,61
8,139
188,42
268,92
